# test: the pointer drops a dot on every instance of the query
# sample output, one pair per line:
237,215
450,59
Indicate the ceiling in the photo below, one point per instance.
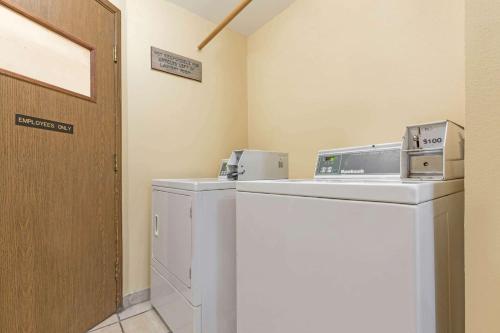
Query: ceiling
258,13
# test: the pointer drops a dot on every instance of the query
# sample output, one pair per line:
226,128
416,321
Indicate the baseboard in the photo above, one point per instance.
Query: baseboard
136,298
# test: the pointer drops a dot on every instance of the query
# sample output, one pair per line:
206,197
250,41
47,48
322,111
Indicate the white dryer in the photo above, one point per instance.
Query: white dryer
193,263
355,250
193,269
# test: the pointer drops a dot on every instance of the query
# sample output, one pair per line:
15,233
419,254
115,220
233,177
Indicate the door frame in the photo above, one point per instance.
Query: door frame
118,140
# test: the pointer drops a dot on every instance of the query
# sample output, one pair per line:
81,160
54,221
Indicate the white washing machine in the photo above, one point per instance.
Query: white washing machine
355,250
193,270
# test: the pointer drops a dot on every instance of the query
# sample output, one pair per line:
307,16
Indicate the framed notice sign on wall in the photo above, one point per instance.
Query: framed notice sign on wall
175,64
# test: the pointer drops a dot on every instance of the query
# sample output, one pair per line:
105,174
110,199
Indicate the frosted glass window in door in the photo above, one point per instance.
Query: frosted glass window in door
33,51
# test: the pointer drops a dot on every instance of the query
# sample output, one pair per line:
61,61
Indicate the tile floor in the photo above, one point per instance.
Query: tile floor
140,318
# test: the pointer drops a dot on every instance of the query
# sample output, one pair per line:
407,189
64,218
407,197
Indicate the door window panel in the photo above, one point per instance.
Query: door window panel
35,52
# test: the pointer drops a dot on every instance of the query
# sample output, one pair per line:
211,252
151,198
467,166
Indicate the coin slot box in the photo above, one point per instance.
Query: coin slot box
433,151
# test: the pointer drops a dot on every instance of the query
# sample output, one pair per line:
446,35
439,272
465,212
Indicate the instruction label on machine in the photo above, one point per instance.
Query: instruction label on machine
432,136
48,125
175,64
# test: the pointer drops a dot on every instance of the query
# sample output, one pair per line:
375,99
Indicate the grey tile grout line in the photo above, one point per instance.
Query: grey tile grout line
150,310
161,319
100,328
137,314
119,322
121,326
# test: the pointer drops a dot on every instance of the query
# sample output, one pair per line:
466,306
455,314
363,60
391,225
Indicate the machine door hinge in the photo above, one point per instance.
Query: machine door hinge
190,273
115,164
115,53
191,212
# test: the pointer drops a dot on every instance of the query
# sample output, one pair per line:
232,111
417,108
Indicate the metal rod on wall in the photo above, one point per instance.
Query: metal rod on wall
224,23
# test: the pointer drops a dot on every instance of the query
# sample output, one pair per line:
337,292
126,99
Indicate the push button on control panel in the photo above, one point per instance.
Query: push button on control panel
328,165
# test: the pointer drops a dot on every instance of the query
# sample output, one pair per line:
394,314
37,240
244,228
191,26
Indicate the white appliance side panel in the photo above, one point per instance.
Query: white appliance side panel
180,315
440,265
425,269
215,272
323,265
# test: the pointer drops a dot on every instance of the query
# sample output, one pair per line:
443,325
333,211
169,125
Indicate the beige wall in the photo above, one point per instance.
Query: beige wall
174,127
483,167
327,74
322,74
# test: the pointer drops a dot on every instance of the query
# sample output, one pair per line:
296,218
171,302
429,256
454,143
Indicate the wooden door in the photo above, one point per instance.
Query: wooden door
60,192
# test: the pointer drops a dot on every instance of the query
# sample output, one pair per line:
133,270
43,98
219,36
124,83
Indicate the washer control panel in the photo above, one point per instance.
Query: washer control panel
371,160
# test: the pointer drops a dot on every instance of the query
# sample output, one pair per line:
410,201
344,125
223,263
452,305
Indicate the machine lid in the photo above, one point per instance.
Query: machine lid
388,191
202,184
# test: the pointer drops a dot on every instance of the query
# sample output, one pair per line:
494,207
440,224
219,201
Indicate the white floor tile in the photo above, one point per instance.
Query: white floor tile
135,310
110,321
115,328
148,322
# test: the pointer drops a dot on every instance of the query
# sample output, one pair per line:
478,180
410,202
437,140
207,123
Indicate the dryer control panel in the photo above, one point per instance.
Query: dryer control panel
223,172
247,165
374,160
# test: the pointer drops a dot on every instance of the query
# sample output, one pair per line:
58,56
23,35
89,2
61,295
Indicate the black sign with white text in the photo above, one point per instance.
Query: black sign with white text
48,125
